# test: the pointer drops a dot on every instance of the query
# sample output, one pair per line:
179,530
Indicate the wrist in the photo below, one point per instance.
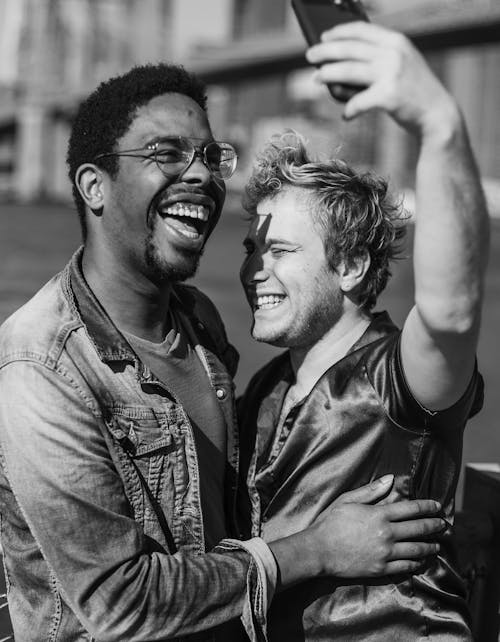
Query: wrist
443,124
298,557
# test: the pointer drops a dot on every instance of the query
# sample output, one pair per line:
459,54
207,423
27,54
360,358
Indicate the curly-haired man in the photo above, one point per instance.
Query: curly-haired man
118,444
353,397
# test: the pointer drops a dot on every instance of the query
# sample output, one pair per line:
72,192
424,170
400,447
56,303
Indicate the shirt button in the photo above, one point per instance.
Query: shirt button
200,325
221,393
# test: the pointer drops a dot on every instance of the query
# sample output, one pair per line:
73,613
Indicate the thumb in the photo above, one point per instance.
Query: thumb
360,103
369,493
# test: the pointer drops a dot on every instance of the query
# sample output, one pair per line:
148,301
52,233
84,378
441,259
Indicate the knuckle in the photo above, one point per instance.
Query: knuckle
384,534
398,40
383,552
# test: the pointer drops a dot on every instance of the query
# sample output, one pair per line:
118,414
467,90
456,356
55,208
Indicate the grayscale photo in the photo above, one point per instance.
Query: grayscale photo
249,305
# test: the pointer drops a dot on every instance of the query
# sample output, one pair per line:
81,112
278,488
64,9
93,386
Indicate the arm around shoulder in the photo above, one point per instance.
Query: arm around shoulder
69,493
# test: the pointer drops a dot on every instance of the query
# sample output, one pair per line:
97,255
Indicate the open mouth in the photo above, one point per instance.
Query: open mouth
188,219
268,301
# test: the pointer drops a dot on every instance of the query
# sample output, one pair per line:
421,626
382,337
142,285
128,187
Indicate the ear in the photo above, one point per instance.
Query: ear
353,272
89,182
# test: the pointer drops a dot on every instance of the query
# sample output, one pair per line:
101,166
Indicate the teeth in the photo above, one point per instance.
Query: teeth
269,301
188,209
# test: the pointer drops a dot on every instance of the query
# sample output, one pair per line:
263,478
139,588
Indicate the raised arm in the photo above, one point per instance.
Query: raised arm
451,231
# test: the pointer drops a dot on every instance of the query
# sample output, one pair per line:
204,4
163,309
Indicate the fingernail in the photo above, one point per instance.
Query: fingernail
386,479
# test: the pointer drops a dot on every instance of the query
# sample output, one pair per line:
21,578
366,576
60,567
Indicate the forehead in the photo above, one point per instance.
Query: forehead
170,114
288,214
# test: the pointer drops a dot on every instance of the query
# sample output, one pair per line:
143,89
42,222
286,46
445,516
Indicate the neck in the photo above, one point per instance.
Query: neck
133,302
328,349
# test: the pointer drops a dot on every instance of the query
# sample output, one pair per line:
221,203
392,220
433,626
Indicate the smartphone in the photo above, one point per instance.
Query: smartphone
316,16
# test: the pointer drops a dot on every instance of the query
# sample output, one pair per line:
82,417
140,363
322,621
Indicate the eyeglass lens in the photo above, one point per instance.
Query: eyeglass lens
173,155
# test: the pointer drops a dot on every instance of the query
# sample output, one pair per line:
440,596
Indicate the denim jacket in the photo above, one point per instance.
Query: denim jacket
101,522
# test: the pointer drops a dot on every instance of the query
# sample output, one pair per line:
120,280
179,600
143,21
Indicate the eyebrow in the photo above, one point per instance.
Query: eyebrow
158,139
270,241
282,241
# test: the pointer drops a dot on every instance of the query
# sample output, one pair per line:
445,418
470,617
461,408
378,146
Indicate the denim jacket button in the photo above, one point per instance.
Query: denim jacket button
221,393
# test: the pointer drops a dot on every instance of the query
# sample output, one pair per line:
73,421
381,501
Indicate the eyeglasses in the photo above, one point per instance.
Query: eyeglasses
173,155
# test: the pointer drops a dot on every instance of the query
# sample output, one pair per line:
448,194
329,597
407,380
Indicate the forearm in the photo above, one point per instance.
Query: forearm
157,596
452,226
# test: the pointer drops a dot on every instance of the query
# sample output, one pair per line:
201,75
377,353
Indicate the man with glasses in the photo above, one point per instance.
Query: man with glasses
119,448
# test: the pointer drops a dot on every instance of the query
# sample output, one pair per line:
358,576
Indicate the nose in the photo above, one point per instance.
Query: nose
253,270
197,172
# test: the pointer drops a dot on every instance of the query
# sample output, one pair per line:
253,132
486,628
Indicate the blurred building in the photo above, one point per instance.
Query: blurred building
53,52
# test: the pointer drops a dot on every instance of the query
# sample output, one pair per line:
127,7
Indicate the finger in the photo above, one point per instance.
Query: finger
368,493
410,509
368,32
393,496
346,72
340,50
400,567
418,528
413,550
363,102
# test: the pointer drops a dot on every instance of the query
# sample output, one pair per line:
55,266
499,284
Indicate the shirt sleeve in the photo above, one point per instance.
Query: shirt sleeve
261,583
117,582
385,371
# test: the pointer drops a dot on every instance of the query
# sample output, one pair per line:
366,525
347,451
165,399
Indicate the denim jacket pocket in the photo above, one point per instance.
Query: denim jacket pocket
145,442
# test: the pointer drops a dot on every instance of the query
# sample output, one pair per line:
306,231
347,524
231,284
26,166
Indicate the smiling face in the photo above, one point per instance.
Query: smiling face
294,295
151,224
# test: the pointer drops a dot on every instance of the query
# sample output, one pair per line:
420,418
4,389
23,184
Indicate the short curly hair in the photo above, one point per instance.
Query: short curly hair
106,115
354,211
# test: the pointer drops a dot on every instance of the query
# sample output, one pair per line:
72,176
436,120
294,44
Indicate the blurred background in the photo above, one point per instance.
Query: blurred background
251,53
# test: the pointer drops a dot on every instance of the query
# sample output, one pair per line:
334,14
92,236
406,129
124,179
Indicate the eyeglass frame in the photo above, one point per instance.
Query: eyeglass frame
196,151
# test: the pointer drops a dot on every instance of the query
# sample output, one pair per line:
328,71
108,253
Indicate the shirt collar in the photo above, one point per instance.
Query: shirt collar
362,333
110,344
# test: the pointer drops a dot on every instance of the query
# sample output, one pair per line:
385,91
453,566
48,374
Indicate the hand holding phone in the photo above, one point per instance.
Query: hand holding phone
317,16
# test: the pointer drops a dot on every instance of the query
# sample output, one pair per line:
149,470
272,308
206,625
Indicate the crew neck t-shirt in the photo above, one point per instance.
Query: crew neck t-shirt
175,363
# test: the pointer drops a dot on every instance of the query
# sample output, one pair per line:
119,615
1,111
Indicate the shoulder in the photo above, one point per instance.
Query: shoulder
38,328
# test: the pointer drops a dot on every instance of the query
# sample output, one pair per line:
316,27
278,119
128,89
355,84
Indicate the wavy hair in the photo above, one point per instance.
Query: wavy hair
354,211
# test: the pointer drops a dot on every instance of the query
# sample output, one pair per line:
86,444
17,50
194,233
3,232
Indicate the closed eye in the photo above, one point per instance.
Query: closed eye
279,250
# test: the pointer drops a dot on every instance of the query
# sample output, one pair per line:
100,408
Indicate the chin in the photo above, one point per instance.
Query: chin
271,338
163,271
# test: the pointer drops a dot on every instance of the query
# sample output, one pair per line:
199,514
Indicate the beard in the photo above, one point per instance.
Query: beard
162,271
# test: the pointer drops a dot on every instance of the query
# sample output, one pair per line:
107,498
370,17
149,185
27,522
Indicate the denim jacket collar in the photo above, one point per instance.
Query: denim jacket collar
109,343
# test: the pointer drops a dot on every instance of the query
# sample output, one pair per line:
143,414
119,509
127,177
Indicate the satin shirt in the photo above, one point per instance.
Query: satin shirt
359,422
